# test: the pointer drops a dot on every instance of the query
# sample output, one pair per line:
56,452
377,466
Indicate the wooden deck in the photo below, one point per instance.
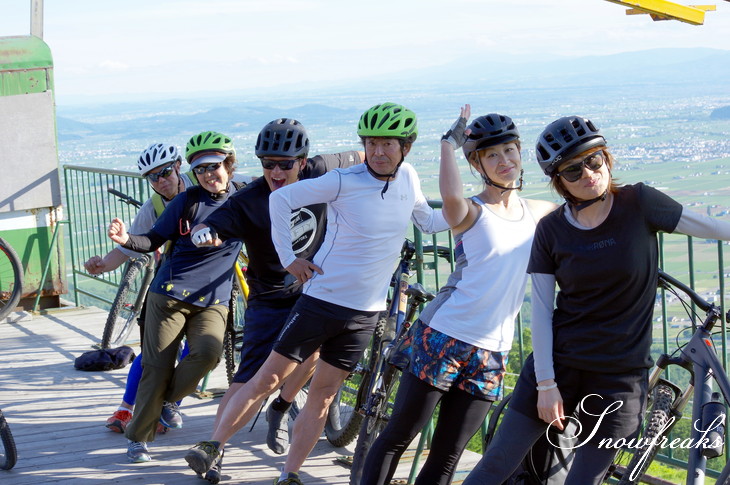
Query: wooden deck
57,416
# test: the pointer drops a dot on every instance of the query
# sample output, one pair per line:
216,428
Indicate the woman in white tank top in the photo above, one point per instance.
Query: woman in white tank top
458,348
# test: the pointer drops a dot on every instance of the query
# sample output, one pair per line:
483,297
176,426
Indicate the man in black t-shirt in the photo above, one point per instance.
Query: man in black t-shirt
282,147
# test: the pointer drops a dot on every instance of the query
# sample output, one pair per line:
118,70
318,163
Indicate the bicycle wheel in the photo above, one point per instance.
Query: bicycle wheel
655,426
8,454
233,339
11,279
127,305
371,426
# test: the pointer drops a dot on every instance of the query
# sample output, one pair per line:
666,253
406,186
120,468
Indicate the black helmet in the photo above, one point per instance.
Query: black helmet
489,130
283,138
565,138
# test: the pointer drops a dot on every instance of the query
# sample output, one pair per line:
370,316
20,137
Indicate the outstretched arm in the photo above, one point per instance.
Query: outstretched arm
113,259
455,208
698,225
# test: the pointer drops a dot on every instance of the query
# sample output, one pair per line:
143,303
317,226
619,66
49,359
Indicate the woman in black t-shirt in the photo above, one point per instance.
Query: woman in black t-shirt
592,343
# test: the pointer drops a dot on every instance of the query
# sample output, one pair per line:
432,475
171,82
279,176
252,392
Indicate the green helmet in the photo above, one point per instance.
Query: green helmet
209,141
389,120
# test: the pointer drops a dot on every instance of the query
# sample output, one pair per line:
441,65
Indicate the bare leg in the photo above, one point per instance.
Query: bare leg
309,424
232,389
298,378
244,403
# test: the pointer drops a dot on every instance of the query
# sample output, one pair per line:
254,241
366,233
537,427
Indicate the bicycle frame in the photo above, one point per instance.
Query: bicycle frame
396,310
699,357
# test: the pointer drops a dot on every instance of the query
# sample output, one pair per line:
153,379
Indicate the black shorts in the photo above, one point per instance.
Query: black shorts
342,333
576,387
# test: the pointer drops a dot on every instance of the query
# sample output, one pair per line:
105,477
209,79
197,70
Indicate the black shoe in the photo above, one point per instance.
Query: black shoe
214,474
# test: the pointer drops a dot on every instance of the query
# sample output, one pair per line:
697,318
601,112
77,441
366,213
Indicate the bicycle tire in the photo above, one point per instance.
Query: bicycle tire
655,426
233,338
371,426
9,455
127,305
11,279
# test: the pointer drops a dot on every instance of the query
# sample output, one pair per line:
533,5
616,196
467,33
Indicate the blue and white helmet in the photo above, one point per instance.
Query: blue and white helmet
156,155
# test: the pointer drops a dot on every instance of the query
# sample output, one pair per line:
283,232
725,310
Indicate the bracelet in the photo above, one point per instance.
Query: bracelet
554,385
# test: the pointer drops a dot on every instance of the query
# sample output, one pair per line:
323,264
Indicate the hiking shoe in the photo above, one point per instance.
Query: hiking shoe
277,438
137,452
119,420
291,479
170,416
214,474
202,456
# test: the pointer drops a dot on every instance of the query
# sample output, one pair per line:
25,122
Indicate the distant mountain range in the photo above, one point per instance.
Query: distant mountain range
680,71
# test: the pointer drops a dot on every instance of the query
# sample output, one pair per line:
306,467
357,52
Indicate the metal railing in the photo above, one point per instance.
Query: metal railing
90,208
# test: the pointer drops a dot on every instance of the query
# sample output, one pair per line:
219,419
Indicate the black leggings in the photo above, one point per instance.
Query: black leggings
513,439
460,416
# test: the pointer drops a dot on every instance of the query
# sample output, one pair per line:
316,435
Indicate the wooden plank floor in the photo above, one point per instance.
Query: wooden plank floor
57,416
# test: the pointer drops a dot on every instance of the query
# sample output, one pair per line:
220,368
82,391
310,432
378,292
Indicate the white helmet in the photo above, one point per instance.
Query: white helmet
156,155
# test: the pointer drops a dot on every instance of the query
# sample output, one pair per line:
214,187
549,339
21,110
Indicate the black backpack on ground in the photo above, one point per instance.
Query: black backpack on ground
545,464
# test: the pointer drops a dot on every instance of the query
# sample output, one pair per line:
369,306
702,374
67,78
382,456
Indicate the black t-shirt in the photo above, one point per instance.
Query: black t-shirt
607,278
245,216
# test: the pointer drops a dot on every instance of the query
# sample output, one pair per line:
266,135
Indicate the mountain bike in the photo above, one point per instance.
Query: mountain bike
347,410
11,278
128,303
668,400
8,453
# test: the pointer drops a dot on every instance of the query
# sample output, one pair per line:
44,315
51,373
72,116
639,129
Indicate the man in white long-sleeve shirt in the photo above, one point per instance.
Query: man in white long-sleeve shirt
369,207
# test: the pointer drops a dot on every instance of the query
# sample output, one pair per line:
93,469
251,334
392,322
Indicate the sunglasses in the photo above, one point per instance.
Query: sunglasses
164,173
201,169
282,164
574,172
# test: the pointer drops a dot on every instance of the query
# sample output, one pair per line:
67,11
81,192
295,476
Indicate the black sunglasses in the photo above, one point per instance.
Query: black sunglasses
574,172
164,173
201,169
282,164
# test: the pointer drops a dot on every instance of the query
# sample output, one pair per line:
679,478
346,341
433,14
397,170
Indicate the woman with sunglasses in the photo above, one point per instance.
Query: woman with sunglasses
456,352
190,292
592,346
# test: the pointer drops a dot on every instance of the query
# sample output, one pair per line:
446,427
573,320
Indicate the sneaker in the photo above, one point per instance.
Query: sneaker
214,474
202,456
119,420
291,479
278,436
137,452
170,416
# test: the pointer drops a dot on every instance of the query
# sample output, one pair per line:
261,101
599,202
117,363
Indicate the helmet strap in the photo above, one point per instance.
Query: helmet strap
389,175
580,205
488,181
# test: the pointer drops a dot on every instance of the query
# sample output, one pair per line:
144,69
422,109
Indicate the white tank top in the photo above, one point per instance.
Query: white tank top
480,301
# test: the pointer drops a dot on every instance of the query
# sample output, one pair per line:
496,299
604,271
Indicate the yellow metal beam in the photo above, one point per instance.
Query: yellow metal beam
666,9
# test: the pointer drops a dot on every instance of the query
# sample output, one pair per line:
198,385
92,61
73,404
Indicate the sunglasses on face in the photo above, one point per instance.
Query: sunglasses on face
282,164
201,169
593,162
164,173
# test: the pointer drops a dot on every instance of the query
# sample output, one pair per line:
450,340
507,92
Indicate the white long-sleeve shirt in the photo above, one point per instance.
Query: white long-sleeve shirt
364,235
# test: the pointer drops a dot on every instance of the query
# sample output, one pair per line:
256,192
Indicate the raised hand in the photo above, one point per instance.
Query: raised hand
117,231
456,136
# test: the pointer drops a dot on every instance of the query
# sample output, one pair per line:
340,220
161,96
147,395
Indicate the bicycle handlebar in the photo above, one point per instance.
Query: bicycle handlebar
124,197
666,281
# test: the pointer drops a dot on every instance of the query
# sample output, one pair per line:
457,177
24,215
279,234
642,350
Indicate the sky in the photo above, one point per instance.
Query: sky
126,48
